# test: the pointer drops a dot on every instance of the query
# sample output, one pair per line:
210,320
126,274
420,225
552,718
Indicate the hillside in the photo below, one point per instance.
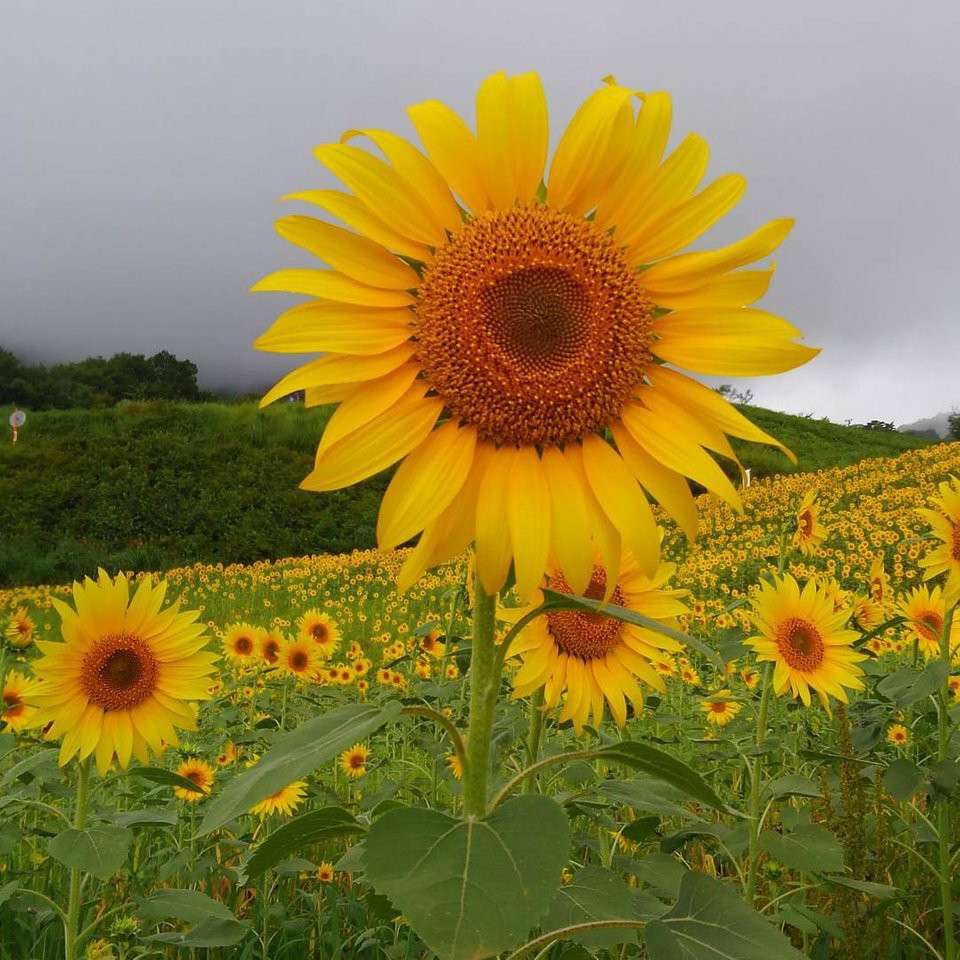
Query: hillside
156,485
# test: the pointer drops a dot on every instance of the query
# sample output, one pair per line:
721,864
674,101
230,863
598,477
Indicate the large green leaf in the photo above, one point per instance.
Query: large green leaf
792,785
593,894
34,762
809,846
649,796
470,888
166,777
656,763
903,778
907,686
213,923
295,754
100,850
298,834
709,921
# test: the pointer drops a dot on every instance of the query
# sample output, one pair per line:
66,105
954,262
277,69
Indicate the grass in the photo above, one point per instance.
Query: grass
145,486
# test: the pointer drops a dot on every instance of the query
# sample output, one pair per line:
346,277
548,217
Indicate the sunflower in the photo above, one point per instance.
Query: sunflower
121,681
810,532
455,765
488,320
867,613
881,592
19,629
945,521
14,710
241,642
284,801
270,644
227,756
806,640
353,762
325,872
925,612
321,629
430,643
196,771
585,659
750,677
300,658
720,710
898,735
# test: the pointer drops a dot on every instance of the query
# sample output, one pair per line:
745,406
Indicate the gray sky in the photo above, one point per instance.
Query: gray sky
145,144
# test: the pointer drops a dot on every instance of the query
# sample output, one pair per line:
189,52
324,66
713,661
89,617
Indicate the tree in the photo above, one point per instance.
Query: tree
953,425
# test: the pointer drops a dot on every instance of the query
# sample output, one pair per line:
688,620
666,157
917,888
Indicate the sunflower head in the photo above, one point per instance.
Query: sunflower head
241,642
491,320
300,658
319,629
198,772
19,629
284,801
123,678
944,520
15,692
325,872
810,531
353,762
719,708
270,644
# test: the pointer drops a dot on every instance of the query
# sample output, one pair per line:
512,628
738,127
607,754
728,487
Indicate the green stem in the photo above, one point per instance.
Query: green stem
756,773
534,734
73,907
484,687
943,814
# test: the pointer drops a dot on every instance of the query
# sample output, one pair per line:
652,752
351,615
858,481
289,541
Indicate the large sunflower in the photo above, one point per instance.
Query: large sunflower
805,638
945,520
122,680
584,659
487,321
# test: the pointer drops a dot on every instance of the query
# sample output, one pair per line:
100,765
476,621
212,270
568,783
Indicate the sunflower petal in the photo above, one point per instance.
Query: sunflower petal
528,516
330,285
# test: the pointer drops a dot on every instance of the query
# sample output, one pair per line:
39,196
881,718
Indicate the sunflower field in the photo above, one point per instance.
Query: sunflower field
567,709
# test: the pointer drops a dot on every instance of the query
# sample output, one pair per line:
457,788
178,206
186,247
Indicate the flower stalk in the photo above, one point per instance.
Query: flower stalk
756,774
72,921
943,812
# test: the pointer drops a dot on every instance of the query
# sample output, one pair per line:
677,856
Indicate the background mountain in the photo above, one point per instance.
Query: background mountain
937,423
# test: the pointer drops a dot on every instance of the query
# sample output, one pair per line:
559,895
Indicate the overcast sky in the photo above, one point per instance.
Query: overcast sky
143,146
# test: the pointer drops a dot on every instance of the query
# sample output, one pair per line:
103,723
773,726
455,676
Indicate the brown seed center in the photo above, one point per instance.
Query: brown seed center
929,625
805,523
588,636
800,644
956,542
298,660
532,326
119,672
243,645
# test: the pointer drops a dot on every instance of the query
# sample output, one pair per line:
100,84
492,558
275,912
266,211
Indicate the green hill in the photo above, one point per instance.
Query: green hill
155,485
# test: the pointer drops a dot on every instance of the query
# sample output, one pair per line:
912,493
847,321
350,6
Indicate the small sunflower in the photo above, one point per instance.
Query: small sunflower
431,644
489,319
810,532
284,801
750,677
19,629
300,658
898,735
720,710
122,680
199,772
320,628
868,613
227,756
585,659
689,676
353,762
455,765
806,640
881,592
325,872
14,710
241,642
945,521
925,612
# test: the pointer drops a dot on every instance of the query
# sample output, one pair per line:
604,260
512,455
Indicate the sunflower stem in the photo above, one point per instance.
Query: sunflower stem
533,736
943,813
484,687
72,921
756,773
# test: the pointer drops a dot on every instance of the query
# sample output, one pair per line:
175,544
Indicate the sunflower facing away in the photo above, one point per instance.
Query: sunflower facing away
806,640
489,316
585,659
945,521
810,532
199,772
123,679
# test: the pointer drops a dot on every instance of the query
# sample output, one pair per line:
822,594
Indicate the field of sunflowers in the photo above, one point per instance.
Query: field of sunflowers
345,699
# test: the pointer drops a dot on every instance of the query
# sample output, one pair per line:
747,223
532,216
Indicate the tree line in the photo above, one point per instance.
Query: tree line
97,381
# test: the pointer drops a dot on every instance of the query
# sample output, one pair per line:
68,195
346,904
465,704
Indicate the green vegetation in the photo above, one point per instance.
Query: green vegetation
156,485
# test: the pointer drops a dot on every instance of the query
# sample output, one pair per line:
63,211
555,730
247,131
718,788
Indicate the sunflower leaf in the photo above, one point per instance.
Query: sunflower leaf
470,888
294,755
567,601
100,850
593,894
166,777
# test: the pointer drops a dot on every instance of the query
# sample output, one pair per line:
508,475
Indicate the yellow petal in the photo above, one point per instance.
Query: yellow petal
622,500
528,515
422,176
388,195
738,289
593,147
325,326
495,139
690,270
425,483
364,260
454,150
378,445
729,341
356,214
666,486
530,133
493,532
682,224
611,690
569,520
331,286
